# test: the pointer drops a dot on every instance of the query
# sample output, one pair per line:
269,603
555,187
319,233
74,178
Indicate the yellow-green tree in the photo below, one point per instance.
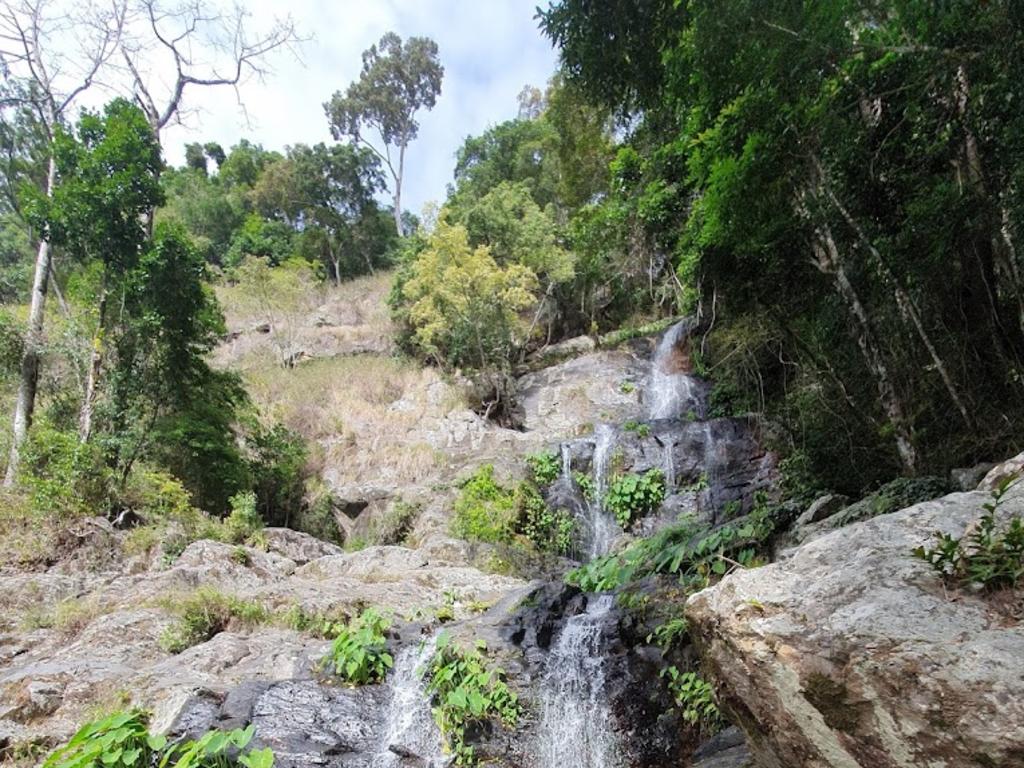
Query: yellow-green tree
465,310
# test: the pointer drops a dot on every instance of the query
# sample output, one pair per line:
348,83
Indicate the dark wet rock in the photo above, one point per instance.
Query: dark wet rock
727,749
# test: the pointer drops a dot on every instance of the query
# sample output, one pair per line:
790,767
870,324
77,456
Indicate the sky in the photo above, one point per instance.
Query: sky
490,49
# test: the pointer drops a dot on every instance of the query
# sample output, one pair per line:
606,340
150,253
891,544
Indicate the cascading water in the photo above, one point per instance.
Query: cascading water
602,526
410,727
566,461
668,465
576,723
672,393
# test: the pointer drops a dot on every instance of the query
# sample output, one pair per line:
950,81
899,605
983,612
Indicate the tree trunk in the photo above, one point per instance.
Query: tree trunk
95,364
903,300
398,190
830,262
26,402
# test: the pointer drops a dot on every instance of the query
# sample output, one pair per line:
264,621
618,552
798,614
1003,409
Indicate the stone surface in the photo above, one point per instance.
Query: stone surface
822,507
852,654
1011,469
296,546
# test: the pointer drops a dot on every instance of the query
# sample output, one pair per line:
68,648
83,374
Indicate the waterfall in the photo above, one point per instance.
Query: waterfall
410,730
668,466
671,391
575,730
566,449
603,528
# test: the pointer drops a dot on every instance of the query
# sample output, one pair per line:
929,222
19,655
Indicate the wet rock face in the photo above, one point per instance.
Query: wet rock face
648,733
851,653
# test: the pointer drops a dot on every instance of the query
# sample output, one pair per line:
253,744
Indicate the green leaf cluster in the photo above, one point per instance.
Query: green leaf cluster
358,653
467,692
695,699
989,555
694,554
487,511
122,740
545,467
205,613
632,496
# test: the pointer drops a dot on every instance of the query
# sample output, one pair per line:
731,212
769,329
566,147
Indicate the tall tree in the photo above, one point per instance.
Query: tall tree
108,179
398,79
52,76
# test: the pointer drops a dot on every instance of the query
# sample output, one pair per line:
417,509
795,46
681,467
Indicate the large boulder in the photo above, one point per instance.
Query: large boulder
852,653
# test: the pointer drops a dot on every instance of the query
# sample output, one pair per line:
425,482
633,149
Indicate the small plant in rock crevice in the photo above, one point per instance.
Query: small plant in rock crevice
632,496
358,653
205,613
638,428
466,691
695,699
989,555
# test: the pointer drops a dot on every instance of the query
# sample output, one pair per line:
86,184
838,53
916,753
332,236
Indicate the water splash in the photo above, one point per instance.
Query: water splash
411,736
602,527
576,724
668,466
672,393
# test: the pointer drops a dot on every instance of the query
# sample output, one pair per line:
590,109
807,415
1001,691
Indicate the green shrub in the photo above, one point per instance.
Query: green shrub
695,699
278,458
358,653
122,740
632,496
545,467
465,692
585,483
156,495
65,477
989,555
205,613
243,522
484,511
668,633
549,530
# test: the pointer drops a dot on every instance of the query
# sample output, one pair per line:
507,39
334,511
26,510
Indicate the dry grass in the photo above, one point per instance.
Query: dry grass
371,416
324,322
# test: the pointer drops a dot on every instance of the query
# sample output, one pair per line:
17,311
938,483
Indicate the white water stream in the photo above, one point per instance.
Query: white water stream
603,528
672,393
576,726
410,727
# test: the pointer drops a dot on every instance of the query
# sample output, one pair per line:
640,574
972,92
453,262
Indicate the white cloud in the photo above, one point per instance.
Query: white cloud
490,49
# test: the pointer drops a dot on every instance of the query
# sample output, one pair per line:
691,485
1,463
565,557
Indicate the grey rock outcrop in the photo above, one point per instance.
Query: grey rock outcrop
851,653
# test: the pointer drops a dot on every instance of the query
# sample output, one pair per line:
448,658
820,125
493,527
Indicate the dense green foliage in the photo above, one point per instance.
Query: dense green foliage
467,692
837,187
122,740
693,554
358,653
487,511
990,554
695,699
632,496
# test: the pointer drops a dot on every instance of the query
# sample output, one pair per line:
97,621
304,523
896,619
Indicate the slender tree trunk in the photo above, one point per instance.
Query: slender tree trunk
903,300
26,401
95,364
830,262
398,190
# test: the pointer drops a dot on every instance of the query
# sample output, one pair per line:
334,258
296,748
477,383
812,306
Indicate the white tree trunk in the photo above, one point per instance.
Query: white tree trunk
25,403
398,190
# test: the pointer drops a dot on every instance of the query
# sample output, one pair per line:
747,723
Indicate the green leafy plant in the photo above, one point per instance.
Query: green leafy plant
550,530
695,698
545,467
696,555
627,387
585,483
121,740
484,511
358,653
632,496
244,521
988,555
668,633
466,691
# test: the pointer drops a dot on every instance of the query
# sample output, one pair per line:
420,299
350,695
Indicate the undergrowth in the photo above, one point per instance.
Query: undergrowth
358,654
467,692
